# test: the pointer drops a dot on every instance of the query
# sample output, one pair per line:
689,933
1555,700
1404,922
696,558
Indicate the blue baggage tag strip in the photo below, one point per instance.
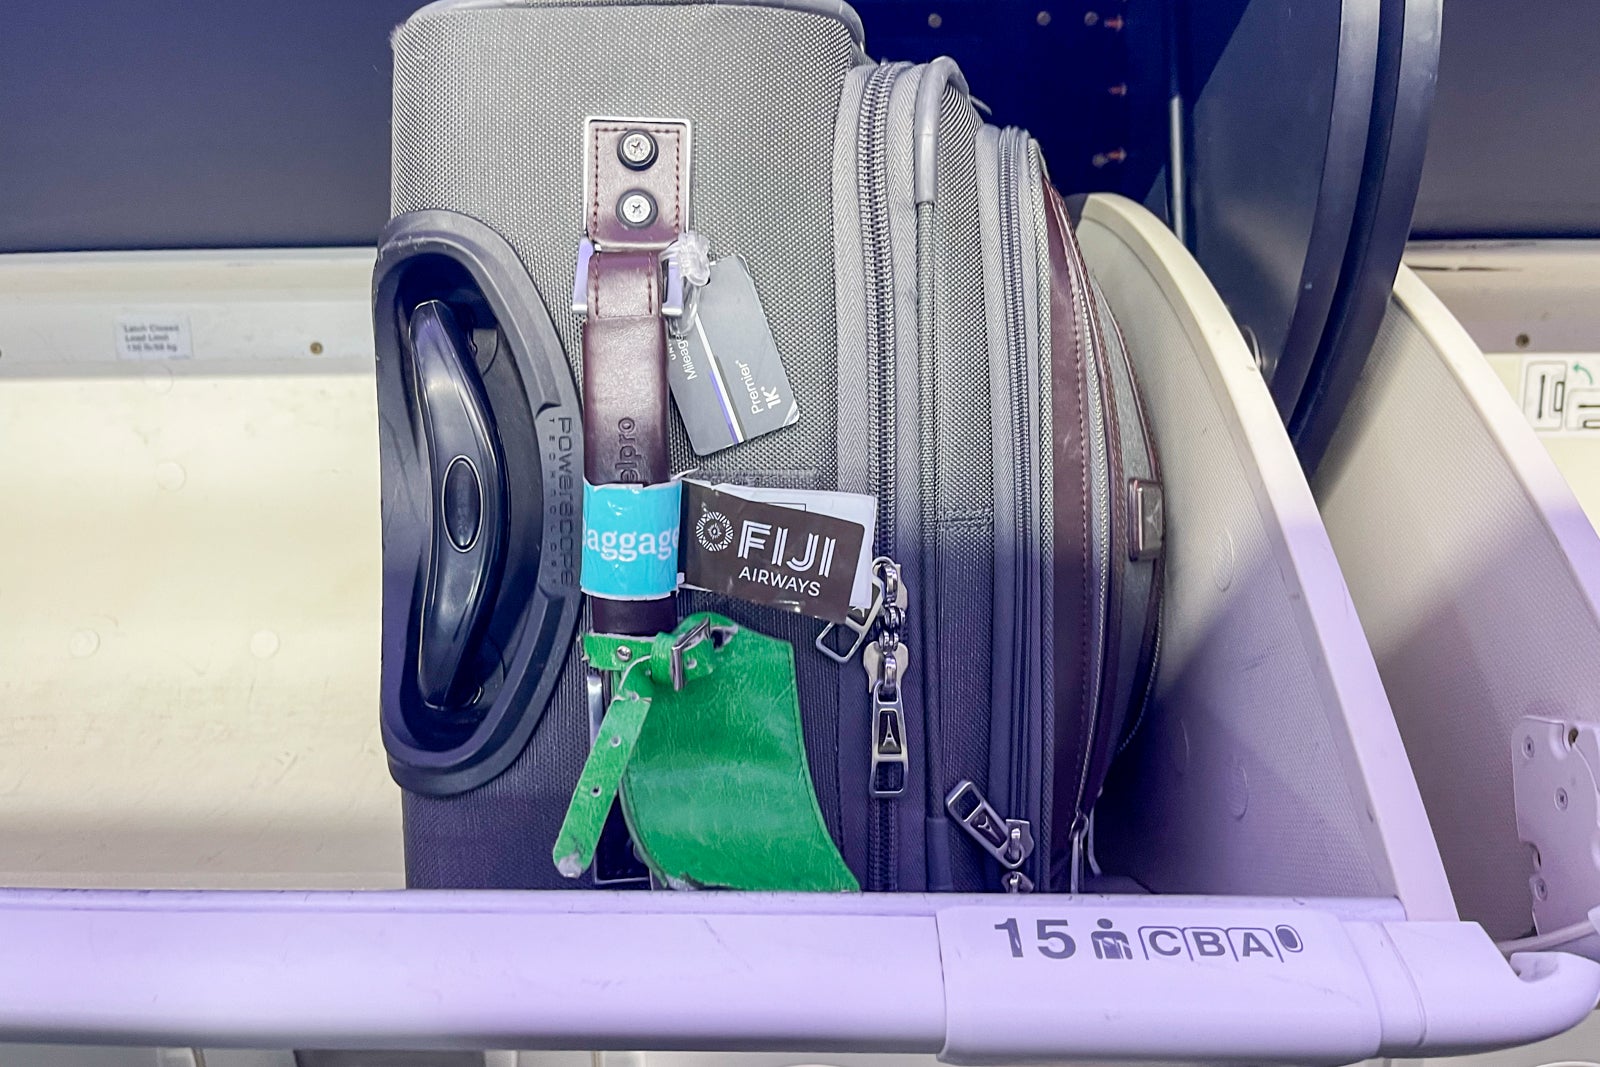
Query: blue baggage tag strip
630,540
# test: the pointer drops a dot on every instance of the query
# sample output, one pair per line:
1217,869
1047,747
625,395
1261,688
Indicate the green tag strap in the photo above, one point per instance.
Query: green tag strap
602,773
639,663
703,739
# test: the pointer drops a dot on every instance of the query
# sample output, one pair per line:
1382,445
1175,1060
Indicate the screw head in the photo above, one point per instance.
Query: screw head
636,149
636,209
1561,800
1540,890
624,653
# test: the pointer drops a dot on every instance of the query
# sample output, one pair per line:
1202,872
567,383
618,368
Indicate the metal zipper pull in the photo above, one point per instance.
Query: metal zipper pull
859,625
1010,841
1080,833
885,661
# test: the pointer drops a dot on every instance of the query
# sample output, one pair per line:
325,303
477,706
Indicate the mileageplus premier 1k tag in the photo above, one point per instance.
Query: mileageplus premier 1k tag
800,550
725,372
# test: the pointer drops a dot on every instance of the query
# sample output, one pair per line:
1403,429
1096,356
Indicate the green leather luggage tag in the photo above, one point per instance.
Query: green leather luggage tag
703,737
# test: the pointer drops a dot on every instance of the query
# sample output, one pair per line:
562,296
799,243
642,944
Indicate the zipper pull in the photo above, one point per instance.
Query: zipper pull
889,760
885,661
859,625
1080,834
1010,841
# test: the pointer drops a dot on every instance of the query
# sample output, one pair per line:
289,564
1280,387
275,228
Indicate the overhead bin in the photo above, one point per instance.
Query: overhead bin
1265,842
1476,575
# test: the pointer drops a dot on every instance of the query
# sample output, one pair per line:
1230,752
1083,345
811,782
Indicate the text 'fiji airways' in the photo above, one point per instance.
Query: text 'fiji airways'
775,561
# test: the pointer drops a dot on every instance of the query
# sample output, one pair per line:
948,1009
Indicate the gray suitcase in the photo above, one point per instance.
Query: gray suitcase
950,356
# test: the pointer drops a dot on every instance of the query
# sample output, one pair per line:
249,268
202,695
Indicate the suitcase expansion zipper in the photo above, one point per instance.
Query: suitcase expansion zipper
1011,841
1098,391
878,260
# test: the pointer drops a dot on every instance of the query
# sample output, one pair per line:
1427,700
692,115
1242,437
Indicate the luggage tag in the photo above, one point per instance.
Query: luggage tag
807,551
724,369
703,742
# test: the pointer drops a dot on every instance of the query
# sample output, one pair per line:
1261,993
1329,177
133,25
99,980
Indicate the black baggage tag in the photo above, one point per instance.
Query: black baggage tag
798,557
725,371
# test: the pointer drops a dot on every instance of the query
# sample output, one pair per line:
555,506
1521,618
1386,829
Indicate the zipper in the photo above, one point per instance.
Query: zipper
1099,478
1022,403
878,262
1010,841
878,258
885,660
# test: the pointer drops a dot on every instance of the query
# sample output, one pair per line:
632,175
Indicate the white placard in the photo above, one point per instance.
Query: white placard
153,335
1030,981
1561,393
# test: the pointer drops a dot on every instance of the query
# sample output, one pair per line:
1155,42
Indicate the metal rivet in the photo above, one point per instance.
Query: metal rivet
1042,18
616,740
1540,890
935,20
636,209
636,149
1091,18
594,791
1561,800
624,653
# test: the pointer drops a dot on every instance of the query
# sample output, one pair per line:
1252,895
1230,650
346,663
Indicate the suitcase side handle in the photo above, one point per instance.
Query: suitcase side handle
465,550
482,468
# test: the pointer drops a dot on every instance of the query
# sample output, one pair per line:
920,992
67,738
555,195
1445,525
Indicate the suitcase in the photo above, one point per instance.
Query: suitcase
949,355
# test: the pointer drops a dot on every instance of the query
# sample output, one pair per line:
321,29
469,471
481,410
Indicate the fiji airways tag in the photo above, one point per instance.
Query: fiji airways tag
798,555
726,375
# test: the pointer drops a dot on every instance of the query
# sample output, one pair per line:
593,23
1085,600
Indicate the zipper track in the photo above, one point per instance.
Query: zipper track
1011,268
878,261
1099,473
878,254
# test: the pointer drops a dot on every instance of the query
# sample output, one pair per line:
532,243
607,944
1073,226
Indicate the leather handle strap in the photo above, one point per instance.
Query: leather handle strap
635,206
625,404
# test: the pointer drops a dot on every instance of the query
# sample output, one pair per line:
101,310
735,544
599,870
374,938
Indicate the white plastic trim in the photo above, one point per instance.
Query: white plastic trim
1374,752
1188,979
1525,454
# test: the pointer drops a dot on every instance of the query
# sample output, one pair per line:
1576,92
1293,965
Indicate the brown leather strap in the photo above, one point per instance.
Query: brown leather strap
625,404
625,372
624,339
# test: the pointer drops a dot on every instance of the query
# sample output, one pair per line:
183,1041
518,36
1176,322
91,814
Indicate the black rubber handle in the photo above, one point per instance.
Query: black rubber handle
467,545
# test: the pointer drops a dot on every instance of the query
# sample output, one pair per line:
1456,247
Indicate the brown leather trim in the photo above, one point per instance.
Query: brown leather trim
625,372
664,181
1073,597
1103,745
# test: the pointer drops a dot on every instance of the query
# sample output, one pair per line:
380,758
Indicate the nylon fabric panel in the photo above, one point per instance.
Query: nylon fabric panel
964,570
907,428
499,836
